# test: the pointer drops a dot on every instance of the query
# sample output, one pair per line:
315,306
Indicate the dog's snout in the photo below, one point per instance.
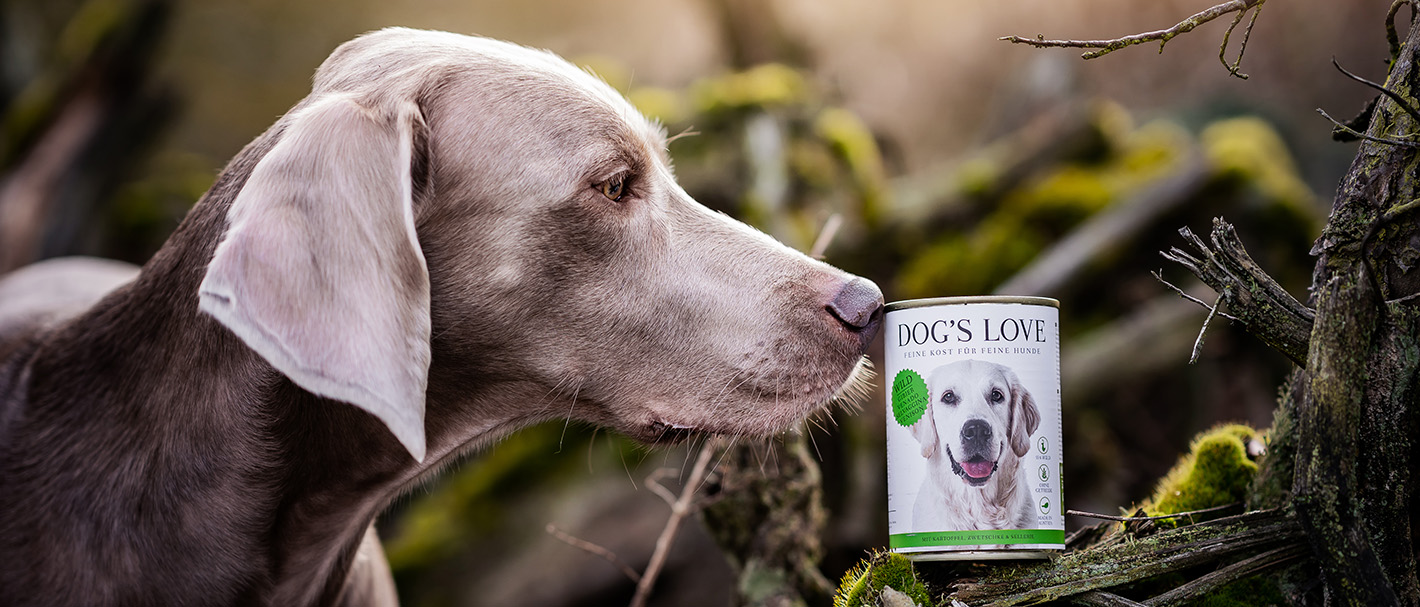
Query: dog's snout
858,305
976,436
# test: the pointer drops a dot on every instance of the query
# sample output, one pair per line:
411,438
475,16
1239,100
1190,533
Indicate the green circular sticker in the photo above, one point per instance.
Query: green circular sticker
909,397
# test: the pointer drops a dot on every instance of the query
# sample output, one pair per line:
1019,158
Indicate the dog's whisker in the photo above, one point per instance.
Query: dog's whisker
621,452
570,408
813,441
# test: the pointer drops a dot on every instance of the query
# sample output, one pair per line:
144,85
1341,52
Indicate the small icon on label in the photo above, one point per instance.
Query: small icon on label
1043,445
1044,473
1044,505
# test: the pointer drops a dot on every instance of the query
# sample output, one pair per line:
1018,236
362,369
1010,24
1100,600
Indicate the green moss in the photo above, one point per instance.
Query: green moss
1216,471
768,85
1249,150
666,105
853,141
862,585
971,263
1043,209
853,587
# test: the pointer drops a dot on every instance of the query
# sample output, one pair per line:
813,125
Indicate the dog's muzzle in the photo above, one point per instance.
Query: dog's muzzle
975,471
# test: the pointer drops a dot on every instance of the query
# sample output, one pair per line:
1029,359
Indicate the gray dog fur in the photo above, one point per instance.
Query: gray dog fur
431,236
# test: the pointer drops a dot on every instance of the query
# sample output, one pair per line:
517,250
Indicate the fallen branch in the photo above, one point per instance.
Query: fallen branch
1157,517
1247,543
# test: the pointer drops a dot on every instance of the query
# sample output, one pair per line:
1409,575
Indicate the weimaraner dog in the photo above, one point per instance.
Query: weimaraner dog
460,237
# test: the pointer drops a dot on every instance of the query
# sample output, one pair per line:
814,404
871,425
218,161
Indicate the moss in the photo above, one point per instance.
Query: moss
665,105
1249,150
862,585
971,263
1216,471
1042,210
979,175
851,139
854,586
768,85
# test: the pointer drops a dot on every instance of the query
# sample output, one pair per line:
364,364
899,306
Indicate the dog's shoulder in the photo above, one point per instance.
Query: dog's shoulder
39,297
49,292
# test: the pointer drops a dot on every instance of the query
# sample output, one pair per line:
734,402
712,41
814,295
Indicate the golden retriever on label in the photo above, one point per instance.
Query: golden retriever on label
977,428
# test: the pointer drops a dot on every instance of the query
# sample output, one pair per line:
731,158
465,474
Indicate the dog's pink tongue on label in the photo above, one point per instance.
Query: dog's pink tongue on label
978,469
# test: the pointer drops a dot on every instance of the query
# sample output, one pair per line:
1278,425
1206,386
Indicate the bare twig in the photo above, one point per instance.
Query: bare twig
1100,598
1359,135
1203,331
688,132
825,236
1399,99
680,508
1390,34
1125,519
595,549
1158,274
1104,47
1242,48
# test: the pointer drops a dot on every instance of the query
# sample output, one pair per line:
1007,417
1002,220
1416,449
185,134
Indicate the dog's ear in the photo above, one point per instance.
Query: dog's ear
320,271
925,430
1025,417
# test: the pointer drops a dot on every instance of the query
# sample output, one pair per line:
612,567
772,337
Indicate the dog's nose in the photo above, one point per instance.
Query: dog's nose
858,305
976,436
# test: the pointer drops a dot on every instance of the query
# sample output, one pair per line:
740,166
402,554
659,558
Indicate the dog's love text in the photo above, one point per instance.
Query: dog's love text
961,331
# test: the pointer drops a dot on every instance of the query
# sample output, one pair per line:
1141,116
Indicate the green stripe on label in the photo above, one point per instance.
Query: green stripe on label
971,538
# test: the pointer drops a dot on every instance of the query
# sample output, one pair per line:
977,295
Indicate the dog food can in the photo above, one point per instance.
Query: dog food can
973,428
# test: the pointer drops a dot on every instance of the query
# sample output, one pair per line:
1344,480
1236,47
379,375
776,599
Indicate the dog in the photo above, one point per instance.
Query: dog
976,429
457,236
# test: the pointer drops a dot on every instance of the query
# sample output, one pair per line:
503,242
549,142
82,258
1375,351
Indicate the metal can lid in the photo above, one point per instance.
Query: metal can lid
971,299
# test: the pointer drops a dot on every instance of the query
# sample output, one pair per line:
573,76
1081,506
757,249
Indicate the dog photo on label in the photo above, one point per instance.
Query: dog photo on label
976,429
448,239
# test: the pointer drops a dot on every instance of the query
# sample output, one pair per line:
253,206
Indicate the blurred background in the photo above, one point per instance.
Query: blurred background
958,164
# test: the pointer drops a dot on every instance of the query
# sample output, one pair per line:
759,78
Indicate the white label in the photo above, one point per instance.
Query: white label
974,428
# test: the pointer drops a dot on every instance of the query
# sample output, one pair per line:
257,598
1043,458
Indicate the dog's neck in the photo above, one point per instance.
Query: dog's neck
281,484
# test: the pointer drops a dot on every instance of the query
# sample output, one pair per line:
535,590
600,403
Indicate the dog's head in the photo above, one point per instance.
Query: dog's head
451,210
978,411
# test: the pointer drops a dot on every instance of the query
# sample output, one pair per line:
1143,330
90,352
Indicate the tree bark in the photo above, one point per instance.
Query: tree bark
1356,416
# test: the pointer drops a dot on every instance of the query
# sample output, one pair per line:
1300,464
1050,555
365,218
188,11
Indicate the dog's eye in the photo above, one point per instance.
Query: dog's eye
949,398
997,396
614,189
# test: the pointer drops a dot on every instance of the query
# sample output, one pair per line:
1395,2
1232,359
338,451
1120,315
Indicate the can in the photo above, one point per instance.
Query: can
974,428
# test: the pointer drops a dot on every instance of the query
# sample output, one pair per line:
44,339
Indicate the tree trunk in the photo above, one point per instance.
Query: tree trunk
1356,416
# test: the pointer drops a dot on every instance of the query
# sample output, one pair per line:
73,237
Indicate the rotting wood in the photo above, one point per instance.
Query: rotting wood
1126,558
1249,294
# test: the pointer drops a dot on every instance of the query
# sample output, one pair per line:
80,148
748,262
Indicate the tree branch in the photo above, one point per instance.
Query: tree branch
679,509
1266,309
1104,47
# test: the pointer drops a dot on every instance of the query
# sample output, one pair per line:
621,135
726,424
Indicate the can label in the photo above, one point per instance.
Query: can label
974,426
